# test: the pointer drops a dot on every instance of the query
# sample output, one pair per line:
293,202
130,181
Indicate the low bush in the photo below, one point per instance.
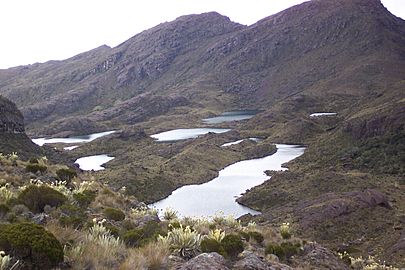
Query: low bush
4,209
37,197
114,214
140,236
35,167
284,250
85,198
66,174
258,237
31,243
232,245
33,160
211,245
72,216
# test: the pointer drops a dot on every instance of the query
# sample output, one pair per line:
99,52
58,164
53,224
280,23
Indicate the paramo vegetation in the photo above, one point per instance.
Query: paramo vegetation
54,220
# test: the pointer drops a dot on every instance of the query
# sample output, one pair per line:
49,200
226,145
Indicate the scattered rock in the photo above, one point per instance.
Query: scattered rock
40,219
206,261
318,257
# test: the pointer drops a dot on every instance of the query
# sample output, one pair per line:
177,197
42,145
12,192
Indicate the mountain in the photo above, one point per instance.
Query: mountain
334,52
344,56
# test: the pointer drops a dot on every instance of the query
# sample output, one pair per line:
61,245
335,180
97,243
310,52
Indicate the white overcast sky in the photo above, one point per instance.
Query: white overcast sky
41,30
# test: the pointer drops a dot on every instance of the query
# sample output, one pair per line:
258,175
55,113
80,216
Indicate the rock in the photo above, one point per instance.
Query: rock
40,219
333,205
206,261
318,257
147,218
251,261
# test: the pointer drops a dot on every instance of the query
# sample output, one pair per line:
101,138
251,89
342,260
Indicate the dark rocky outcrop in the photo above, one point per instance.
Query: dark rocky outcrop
12,136
11,119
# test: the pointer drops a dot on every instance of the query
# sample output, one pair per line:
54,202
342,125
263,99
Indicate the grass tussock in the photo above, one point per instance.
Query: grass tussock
152,256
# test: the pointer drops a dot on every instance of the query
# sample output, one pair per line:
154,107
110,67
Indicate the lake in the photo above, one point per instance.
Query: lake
93,162
73,139
231,116
186,133
219,194
322,114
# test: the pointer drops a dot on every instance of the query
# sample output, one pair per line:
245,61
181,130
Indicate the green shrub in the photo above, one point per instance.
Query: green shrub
258,237
85,198
283,251
36,197
66,174
34,168
33,160
4,209
244,235
72,216
114,214
232,245
140,236
211,245
31,243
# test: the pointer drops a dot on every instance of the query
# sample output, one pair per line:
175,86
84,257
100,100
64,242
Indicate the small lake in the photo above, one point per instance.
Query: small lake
93,162
220,193
231,116
322,114
186,133
239,141
73,139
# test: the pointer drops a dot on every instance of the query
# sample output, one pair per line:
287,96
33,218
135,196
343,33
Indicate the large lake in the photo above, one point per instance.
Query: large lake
231,116
73,139
219,194
186,133
93,162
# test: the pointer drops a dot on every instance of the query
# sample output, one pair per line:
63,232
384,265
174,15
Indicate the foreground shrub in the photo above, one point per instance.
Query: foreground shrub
114,214
283,251
85,198
98,250
211,245
232,245
66,174
72,216
258,237
141,236
183,241
35,167
37,197
31,243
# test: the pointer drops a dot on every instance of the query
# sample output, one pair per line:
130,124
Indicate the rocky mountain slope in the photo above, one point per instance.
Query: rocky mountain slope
334,52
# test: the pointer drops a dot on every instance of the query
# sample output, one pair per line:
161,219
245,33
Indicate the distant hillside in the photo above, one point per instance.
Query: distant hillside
337,54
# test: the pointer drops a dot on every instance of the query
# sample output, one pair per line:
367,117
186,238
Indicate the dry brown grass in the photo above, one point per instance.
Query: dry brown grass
153,256
65,235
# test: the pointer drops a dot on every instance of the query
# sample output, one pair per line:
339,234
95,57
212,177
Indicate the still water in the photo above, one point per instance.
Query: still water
220,193
186,133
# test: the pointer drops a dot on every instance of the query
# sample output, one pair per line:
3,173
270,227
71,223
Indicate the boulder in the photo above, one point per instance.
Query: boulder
206,261
317,257
251,261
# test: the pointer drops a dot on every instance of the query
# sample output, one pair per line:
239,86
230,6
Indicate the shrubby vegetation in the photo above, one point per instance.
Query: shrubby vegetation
90,226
